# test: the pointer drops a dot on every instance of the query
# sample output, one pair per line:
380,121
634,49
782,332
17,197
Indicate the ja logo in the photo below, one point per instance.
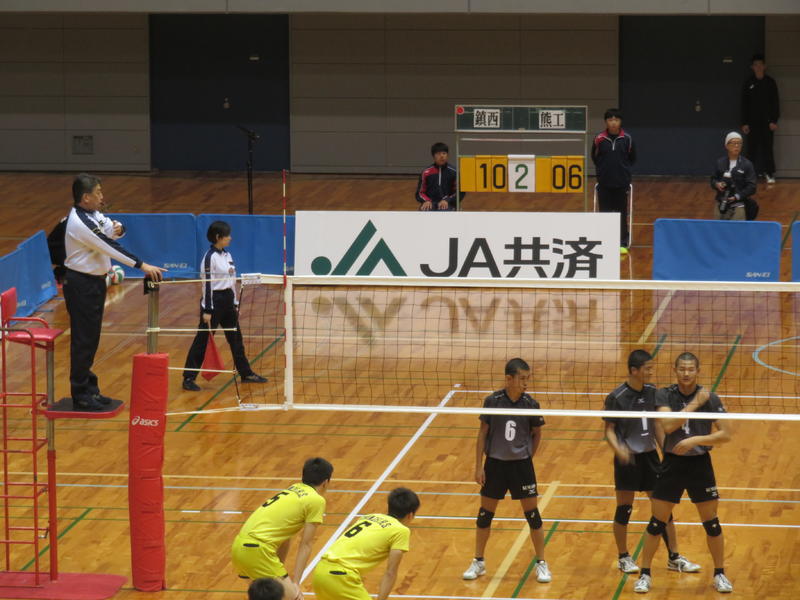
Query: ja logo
322,265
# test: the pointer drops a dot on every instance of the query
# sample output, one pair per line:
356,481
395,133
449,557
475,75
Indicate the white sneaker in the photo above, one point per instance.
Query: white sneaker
642,585
626,565
682,565
543,574
475,570
722,584
770,179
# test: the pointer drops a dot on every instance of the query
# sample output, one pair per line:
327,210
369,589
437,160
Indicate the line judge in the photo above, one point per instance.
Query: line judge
90,241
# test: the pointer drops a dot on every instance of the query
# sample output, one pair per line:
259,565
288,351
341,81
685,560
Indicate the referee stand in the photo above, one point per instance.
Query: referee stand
22,519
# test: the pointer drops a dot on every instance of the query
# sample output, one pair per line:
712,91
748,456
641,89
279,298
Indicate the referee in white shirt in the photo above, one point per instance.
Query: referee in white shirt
90,242
219,305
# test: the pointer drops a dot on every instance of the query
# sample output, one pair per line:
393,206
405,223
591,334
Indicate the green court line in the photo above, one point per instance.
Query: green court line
726,363
61,534
789,229
190,418
624,577
527,572
659,344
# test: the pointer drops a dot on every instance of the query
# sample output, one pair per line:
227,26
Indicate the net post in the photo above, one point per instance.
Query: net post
151,289
288,345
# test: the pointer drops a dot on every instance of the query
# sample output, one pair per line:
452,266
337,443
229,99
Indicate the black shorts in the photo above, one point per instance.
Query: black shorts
516,476
695,474
639,475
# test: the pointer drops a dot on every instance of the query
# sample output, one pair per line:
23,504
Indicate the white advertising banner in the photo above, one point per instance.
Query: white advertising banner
458,244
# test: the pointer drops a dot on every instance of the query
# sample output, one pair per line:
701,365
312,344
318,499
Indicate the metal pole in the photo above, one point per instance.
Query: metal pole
152,317
52,503
249,174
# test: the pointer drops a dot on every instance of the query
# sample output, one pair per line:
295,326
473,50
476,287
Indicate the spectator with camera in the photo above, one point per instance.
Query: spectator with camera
734,180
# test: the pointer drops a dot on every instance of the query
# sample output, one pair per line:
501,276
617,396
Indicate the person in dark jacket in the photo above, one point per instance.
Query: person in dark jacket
613,154
734,180
760,114
436,189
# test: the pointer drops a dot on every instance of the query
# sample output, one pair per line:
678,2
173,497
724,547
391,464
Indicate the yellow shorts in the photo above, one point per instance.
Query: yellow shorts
333,582
253,559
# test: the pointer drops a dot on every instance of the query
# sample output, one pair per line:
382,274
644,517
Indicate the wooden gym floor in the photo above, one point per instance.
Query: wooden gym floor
220,466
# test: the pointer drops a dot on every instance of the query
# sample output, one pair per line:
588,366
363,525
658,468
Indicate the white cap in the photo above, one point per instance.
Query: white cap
733,135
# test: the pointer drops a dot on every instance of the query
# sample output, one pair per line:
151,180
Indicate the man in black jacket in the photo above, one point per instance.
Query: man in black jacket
734,180
436,189
760,114
613,154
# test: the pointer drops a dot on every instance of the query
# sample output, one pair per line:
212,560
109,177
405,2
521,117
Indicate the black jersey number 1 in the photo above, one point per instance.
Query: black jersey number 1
356,528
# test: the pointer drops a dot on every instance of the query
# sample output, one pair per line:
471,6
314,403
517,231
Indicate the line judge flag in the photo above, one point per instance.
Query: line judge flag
211,360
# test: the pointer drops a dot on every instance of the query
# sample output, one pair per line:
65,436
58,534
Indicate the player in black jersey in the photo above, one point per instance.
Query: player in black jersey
636,462
508,443
687,466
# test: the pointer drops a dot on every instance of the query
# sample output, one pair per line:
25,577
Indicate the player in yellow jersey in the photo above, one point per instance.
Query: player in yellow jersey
262,544
373,539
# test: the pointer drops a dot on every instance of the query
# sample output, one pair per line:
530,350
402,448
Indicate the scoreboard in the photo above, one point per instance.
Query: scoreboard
521,173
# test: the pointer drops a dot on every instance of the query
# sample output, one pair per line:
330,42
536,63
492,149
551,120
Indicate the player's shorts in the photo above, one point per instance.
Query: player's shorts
515,476
695,474
254,559
331,581
639,475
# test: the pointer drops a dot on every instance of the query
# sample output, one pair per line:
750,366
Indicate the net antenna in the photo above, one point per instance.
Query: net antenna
498,127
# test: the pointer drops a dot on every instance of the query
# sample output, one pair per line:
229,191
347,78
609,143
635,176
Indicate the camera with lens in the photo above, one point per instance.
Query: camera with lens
727,195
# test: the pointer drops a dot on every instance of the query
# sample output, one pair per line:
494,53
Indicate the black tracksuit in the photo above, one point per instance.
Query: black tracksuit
760,107
613,156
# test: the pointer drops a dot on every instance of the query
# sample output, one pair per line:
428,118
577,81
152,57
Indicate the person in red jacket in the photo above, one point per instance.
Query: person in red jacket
436,189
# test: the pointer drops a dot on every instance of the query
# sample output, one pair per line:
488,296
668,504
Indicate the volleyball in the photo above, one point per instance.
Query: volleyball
115,275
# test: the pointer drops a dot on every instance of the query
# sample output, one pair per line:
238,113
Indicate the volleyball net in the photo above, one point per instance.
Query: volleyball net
372,343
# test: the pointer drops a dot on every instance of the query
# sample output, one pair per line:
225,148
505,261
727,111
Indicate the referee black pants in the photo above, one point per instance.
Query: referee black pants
225,315
85,297
759,149
616,200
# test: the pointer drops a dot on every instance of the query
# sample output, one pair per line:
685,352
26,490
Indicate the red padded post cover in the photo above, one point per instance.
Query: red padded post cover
149,388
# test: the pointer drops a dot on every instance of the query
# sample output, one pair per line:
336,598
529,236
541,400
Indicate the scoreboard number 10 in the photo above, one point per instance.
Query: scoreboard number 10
522,173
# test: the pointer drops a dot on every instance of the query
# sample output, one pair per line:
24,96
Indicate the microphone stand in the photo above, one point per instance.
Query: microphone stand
252,138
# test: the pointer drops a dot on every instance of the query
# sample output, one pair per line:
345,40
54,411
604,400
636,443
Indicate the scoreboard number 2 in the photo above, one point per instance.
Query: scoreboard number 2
522,173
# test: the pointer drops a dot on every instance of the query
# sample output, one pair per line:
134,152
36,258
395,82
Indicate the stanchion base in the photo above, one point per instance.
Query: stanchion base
68,586
63,410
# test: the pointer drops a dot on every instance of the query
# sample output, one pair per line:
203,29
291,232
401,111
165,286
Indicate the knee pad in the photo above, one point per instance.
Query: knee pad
534,519
656,527
712,527
484,519
623,514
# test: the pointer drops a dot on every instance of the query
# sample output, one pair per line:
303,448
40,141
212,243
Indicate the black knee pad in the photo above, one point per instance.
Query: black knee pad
712,527
534,519
656,527
484,519
623,514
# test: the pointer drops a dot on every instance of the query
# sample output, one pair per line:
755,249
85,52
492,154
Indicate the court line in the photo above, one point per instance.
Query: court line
789,229
656,316
758,350
373,488
511,555
727,362
443,482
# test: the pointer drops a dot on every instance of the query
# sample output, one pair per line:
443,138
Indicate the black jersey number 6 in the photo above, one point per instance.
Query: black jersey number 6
356,528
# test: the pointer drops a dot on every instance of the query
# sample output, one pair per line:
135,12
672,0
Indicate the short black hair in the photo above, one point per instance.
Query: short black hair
402,501
83,184
638,358
612,112
265,588
687,356
439,147
218,229
515,365
757,56
316,471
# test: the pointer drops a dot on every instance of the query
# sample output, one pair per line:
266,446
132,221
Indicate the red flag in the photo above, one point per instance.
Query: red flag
211,360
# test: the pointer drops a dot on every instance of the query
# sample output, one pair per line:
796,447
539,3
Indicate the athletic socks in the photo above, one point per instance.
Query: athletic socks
719,572
623,555
673,555
644,572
